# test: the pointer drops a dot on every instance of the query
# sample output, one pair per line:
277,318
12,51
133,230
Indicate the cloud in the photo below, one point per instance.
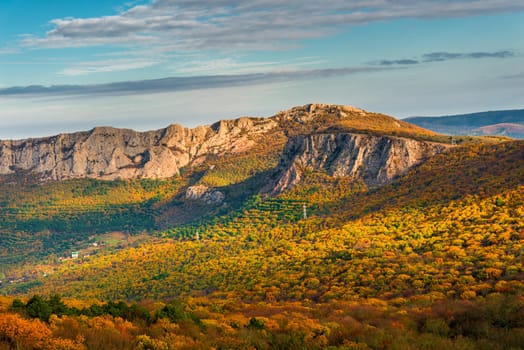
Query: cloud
201,65
181,83
8,50
445,56
395,62
514,76
185,25
107,66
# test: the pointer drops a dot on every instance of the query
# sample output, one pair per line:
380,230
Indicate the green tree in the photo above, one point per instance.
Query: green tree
37,307
57,305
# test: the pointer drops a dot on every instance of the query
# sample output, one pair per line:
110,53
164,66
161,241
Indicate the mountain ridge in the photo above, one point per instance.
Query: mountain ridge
58,191
109,153
504,123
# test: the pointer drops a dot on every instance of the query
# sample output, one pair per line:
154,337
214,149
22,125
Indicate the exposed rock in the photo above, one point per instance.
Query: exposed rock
109,153
374,159
210,196
308,113
196,192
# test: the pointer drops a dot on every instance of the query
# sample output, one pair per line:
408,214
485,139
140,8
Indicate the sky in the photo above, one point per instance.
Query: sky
144,64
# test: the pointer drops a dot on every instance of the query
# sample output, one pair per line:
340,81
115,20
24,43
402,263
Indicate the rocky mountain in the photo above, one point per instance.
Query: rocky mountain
341,140
504,123
374,159
108,153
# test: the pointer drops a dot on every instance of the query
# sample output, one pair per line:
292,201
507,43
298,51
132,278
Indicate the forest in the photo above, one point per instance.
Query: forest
494,322
433,260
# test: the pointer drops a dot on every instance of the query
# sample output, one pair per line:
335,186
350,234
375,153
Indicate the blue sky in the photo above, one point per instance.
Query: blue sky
72,65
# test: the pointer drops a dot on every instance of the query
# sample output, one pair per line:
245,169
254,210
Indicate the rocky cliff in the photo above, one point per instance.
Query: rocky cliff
374,159
342,140
109,153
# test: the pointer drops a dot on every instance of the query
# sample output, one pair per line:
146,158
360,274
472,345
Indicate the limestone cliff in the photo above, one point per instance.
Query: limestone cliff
374,159
343,140
109,153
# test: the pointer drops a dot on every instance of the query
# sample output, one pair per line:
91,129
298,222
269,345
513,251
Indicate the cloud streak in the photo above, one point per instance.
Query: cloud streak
181,83
107,66
445,56
396,62
178,25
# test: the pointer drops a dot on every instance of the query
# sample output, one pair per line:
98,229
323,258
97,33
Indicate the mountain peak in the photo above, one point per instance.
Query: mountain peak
310,112
322,118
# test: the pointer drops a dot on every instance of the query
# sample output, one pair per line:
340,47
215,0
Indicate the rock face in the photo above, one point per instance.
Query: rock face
310,112
317,138
374,159
109,153
210,196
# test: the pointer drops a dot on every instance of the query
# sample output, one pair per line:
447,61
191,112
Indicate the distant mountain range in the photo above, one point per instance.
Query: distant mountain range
502,123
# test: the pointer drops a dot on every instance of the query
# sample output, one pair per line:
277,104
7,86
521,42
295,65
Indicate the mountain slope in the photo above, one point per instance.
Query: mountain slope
429,242
173,174
226,165
506,123
375,238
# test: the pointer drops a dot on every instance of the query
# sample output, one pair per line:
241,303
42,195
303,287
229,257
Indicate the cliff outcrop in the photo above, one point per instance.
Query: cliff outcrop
110,153
375,159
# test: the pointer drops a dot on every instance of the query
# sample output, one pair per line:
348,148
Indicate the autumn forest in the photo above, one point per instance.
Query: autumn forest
434,259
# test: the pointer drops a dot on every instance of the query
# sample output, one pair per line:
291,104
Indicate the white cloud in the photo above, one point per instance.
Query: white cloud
189,83
8,50
197,24
228,65
222,66
107,66
203,32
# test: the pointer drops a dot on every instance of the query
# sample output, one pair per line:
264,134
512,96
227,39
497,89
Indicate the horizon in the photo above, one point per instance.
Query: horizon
145,64
237,117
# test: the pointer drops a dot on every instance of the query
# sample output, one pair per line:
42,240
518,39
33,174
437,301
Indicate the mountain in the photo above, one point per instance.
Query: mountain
503,123
320,227
108,153
450,226
57,192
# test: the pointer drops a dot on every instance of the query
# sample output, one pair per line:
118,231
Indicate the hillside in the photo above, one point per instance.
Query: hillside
330,231
503,123
58,193
419,218
431,260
